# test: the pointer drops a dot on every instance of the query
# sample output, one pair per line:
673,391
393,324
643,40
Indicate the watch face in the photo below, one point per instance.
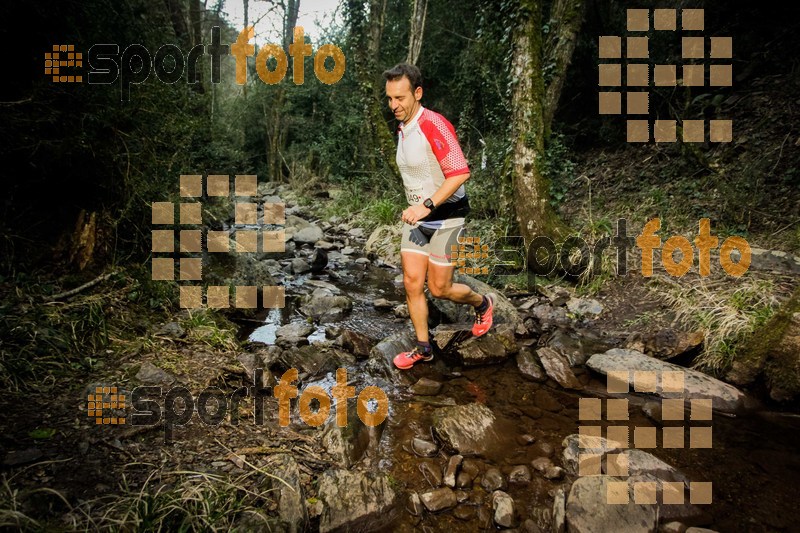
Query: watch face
428,203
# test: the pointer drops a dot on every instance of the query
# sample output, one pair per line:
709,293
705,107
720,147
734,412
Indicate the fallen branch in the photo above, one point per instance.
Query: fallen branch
76,290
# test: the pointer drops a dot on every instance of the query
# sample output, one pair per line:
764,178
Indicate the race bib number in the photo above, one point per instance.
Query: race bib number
414,196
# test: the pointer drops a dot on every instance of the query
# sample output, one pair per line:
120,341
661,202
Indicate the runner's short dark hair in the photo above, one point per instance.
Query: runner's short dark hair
404,69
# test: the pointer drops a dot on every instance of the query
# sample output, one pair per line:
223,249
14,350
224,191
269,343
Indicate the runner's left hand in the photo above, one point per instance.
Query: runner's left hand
414,213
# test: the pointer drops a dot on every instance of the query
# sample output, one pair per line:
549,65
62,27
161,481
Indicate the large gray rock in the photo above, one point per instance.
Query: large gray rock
725,397
316,359
588,510
493,347
574,445
557,367
291,501
382,354
350,443
384,243
295,329
323,305
309,234
150,374
504,310
468,429
529,365
355,500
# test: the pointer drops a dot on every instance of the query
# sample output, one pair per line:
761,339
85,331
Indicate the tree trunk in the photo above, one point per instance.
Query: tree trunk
178,19
566,17
535,215
196,22
366,35
418,14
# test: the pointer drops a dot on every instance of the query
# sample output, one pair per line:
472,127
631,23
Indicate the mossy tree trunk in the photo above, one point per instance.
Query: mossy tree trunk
366,33
530,124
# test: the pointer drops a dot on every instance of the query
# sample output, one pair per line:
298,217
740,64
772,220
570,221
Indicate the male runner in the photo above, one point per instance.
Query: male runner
434,170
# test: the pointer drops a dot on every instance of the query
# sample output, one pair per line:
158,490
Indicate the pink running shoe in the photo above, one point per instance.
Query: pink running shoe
483,321
406,360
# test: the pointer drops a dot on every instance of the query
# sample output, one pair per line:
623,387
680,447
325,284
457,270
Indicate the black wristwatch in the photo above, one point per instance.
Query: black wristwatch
428,203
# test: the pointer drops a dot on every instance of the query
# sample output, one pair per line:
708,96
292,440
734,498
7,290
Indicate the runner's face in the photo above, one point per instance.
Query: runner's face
403,102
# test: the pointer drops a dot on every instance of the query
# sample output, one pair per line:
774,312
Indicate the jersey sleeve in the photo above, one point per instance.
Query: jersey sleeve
443,140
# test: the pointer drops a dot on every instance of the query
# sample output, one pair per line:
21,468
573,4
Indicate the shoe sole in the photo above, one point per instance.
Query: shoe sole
425,360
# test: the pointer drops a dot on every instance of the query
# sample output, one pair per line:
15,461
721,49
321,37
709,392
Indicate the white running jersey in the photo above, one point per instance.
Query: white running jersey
427,154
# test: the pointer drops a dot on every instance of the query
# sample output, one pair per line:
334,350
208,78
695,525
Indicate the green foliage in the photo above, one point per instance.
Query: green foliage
558,168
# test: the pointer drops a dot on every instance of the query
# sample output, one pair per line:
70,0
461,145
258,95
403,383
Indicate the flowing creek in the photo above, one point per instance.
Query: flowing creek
754,461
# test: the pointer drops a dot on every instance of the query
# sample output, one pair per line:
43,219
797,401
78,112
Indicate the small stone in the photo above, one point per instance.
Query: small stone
542,464
439,499
464,480
300,266
519,475
362,261
462,496
348,250
426,387
554,472
503,506
452,469
382,303
324,245
493,479
401,311
423,448
357,233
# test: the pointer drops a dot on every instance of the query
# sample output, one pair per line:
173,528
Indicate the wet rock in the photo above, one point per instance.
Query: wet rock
324,245
558,368
464,480
672,527
588,510
504,512
300,266
464,512
484,517
639,462
349,444
426,387
316,359
700,530
295,329
726,398
291,501
401,311
356,343
382,303
468,429
559,511
382,354
414,506
439,499
544,400
583,307
504,311
309,234
423,448
569,343
150,374
355,500
452,470
541,464
529,365
462,496
493,479
549,316
519,475
323,305
348,250
574,445
494,347
21,457
255,370
431,472
554,472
